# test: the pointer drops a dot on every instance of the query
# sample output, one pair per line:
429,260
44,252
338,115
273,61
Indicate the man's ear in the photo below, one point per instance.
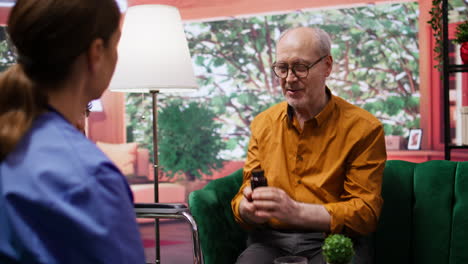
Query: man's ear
329,62
95,54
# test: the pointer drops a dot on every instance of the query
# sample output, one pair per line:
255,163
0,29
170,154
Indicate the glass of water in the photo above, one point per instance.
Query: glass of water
290,260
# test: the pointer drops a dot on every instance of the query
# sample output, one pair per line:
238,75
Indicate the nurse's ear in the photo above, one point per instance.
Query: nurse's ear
95,55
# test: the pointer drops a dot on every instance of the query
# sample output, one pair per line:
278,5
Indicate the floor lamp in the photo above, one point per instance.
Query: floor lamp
153,58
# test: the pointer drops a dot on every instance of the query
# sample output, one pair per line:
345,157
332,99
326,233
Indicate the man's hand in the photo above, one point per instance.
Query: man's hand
274,202
247,208
267,202
263,203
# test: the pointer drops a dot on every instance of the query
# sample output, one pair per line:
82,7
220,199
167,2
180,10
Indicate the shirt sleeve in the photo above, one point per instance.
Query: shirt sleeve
92,222
251,163
362,201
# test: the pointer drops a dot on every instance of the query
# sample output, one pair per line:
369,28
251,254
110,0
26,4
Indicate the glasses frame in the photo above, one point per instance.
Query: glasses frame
294,72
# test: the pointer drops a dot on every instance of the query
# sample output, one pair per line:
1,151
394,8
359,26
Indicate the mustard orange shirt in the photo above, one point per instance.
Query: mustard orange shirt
337,160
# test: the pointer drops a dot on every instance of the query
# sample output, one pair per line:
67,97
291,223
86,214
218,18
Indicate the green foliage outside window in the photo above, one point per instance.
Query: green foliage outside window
7,55
139,120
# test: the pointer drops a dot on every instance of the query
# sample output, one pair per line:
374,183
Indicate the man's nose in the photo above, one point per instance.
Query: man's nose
291,77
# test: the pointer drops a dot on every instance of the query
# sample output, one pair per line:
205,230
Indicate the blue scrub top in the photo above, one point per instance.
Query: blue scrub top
63,201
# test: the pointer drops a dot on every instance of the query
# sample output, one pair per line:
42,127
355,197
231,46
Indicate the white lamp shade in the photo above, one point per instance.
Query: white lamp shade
96,106
153,52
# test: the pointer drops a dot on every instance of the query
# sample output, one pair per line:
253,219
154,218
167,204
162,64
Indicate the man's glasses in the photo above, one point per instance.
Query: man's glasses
299,70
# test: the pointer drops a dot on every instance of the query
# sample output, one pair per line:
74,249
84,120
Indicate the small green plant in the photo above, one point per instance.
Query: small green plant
338,249
461,33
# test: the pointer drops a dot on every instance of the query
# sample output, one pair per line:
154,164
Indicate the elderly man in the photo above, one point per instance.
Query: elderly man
322,156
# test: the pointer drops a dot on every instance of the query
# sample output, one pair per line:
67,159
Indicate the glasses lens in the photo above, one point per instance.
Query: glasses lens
300,70
281,71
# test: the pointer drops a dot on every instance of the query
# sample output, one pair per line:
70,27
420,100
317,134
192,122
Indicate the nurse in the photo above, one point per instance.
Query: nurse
61,199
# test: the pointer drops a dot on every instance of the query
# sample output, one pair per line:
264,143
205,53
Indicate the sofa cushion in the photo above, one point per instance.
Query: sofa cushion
123,155
394,227
432,213
458,250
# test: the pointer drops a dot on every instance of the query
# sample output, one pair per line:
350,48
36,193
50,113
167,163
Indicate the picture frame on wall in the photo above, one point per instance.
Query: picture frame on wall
414,139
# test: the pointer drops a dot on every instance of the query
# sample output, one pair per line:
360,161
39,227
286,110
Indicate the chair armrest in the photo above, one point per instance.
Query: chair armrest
221,238
172,210
160,208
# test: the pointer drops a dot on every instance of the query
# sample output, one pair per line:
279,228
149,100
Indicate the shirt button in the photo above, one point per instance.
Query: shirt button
299,157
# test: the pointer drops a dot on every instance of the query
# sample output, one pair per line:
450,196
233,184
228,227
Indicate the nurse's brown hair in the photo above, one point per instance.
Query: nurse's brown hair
48,36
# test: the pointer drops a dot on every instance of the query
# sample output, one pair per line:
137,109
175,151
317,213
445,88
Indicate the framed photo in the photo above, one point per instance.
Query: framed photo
414,139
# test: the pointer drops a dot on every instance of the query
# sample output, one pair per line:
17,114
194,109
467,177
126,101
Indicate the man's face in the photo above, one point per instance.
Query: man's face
302,93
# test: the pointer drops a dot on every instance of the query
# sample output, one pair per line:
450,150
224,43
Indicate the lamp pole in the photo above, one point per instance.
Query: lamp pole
152,35
156,170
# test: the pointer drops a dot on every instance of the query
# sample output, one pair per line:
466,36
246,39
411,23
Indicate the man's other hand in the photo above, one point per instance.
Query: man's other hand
263,203
247,208
272,202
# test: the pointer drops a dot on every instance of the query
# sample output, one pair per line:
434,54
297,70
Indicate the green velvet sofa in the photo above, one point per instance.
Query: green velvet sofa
424,217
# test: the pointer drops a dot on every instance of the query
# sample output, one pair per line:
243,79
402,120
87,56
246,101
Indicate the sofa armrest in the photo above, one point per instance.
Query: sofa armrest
222,239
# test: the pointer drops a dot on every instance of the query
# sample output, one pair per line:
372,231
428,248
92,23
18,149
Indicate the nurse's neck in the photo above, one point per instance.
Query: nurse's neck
68,101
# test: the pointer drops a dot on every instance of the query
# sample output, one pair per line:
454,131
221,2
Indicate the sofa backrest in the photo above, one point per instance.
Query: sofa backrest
425,214
424,218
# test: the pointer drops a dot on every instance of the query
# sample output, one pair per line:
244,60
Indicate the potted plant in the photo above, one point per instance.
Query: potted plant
394,139
338,249
461,37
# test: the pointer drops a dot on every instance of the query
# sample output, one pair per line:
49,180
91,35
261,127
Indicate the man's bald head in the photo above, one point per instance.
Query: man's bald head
313,37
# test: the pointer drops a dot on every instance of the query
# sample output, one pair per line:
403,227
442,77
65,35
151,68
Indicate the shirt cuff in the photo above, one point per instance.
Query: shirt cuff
235,204
337,218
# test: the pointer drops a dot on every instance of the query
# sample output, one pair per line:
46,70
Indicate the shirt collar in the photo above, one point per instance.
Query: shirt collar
327,110
322,116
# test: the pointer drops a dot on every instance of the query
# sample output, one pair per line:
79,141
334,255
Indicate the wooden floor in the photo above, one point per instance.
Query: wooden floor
176,242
